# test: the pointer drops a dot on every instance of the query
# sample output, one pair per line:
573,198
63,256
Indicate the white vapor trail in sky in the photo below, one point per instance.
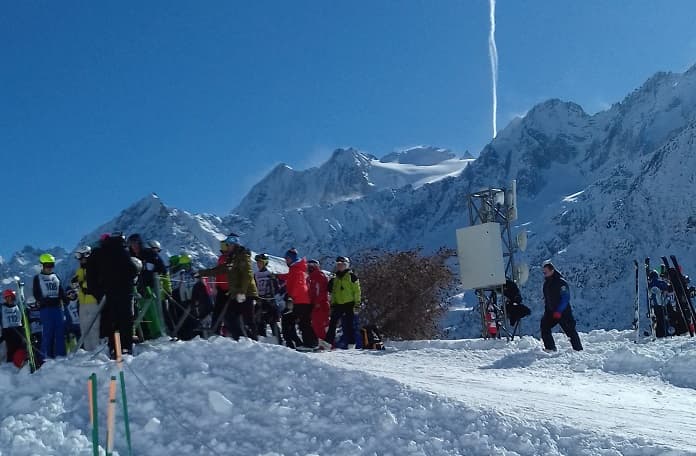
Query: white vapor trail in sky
493,53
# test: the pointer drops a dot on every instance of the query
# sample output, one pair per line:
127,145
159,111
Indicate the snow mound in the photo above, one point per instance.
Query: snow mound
225,397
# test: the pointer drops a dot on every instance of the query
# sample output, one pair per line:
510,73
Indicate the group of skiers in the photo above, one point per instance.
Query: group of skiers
123,286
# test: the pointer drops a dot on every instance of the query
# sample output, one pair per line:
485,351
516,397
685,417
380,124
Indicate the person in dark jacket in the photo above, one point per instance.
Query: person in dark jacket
514,308
11,325
557,309
237,312
149,285
116,275
50,296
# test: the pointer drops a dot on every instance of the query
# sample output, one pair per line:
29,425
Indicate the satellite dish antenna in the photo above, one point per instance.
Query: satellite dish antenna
522,241
521,273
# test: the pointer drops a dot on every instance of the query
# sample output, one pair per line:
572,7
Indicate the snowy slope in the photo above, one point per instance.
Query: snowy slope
467,397
615,386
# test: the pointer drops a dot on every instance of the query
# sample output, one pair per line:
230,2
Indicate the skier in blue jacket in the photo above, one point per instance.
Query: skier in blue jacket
557,309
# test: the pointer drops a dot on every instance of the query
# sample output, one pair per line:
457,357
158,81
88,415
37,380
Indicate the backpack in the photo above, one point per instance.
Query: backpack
371,339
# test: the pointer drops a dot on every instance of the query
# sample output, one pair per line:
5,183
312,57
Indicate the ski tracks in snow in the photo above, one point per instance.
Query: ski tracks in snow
614,388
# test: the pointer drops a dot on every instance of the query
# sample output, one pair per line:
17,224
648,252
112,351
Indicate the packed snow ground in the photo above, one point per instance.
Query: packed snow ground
469,397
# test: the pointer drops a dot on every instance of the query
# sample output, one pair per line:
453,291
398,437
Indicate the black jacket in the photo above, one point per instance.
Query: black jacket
152,264
512,292
111,269
556,293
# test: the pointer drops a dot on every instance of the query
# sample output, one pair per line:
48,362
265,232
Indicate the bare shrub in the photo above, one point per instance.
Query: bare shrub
403,292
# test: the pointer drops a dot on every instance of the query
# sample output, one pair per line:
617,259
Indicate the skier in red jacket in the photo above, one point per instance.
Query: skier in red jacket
319,297
299,301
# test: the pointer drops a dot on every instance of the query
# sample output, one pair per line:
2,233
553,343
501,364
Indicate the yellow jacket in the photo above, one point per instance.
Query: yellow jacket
82,296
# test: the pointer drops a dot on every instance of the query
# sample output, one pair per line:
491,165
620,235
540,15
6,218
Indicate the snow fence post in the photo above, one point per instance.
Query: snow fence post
111,417
119,362
93,412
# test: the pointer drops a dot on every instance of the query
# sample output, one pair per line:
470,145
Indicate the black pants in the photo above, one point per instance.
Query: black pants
661,321
117,315
288,322
303,313
240,319
567,323
338,312
221,299
266,313
14,340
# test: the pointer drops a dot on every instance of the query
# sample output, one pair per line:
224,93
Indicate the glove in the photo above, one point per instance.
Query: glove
289,305
149,266
241,298
556,315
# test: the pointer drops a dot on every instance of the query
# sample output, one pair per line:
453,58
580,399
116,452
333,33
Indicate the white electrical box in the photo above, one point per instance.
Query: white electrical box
480,252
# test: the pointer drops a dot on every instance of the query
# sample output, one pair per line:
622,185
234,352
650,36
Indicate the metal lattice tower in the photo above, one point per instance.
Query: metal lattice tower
495,205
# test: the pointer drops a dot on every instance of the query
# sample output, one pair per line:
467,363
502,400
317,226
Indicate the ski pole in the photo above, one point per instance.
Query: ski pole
102,303
119,362
111,417
93,412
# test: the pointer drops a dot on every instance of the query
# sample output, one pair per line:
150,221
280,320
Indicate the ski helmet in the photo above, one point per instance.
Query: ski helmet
9,294
154,245
47,258
292,255
184,259
314,263
83,252
262,257
343,259
232,239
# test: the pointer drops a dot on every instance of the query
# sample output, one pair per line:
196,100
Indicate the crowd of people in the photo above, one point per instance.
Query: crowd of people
123,286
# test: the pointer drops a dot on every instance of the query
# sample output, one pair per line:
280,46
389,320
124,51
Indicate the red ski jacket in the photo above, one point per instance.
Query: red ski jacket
296,282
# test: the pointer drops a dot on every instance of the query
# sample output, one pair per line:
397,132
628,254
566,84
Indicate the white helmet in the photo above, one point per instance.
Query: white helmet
83,252
153,244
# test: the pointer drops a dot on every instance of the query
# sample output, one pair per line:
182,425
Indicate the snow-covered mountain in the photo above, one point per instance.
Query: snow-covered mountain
25,264
595,192
348,175
177,230
591,188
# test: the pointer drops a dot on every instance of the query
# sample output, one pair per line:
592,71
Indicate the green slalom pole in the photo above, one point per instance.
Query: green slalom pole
119,363
125,412
94,414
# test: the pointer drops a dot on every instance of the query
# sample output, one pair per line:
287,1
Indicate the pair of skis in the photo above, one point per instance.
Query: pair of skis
681,294
684,308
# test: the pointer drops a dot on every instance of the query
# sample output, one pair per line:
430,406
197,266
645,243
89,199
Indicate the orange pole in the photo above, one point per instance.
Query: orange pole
111,417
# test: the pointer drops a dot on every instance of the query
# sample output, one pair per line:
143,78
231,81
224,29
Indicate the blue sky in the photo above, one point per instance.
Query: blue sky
102,103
